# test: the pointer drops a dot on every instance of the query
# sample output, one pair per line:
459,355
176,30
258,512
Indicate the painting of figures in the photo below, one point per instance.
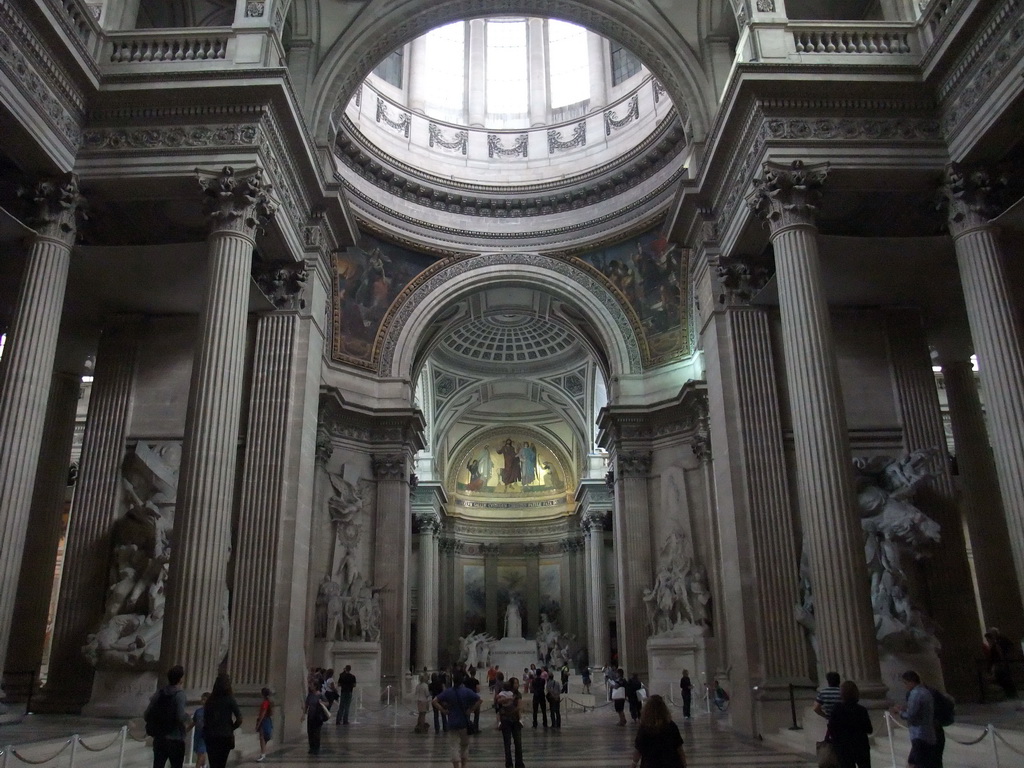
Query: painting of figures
510,465
367,279
649,273
474,607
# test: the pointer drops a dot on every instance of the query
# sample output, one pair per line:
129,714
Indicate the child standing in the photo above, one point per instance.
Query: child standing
198,740
264,724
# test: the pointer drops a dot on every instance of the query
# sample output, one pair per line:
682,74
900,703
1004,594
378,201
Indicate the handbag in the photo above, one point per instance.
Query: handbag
618,694
826,753
325,713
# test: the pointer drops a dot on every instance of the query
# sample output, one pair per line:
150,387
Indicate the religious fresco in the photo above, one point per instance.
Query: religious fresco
551,590
512,581
475,603
650,273
367,279
510,466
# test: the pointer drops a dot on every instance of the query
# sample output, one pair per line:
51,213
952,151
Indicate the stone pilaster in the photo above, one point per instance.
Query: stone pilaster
948,571
427,594
597,614
970,200
35,583
450,623
274,513
786,198
532,598
981,502
634,569
84,579
392,547
570,583
26,371
196,626
493,623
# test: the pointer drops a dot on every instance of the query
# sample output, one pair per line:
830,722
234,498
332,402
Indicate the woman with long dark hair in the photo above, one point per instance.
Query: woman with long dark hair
220,719
849,727
658,741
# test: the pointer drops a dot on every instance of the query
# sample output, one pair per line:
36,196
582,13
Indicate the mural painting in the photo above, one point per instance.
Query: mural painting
510,466
367,279
475,605
512,581
551,591
649,272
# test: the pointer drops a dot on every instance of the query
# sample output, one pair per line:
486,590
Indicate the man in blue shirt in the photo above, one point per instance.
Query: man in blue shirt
458,703
919,713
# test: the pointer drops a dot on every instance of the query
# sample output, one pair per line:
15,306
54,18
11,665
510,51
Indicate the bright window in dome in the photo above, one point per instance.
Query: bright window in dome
445,72
508,91
568,63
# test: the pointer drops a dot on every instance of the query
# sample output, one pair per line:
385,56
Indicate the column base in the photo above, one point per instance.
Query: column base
121,693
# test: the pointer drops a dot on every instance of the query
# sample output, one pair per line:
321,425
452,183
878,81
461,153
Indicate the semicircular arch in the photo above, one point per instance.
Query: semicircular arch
411,316
372,37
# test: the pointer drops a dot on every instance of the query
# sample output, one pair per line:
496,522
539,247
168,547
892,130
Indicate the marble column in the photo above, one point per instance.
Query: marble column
597,614
477,72
84,578
947,570
272,551
426,593
450,625
996,331
598,70
196,626
786,197
982,505
633,562
494,622
757,523
46,525
419,75
392,547
26,372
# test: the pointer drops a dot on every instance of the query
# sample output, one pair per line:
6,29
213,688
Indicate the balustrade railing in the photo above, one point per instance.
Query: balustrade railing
846,40
170,46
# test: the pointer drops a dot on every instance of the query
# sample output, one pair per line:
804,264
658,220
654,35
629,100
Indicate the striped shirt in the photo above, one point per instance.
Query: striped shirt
828,697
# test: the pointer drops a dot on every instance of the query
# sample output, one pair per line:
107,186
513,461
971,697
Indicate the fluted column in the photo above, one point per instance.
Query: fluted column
26,371
426,594
195,631
632,529
450,624
94,510
982,503
532,618
392,547
597,614
477,72
35,584
786,197
948,571
492,623
997,337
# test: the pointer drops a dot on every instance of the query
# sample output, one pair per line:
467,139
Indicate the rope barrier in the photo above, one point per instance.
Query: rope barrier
54,756
1006,744
108,745
971,743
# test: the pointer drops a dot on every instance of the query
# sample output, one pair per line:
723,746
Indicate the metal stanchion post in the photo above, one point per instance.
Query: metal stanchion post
995,749
892,746
74,749
121,746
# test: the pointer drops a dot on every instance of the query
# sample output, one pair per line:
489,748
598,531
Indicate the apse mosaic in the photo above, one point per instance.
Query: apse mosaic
367,279
650,273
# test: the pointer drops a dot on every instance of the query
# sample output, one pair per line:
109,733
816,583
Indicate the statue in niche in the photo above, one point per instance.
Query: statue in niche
347,606
679,586
896,530
513,619
130,629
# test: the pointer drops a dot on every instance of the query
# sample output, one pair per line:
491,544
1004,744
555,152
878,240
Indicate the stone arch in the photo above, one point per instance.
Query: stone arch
370,39
410,318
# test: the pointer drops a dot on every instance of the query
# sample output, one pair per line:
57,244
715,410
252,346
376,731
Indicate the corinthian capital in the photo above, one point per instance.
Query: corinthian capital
971,197
390,467
59,208
788,195
237,201
634,463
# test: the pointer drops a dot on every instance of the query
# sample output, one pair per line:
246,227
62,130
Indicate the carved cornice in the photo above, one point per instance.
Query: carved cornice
236,202
171,137
392,466
788,196
971,197
59,208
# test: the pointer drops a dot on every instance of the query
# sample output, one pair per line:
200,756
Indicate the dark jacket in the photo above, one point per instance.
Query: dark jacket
221,718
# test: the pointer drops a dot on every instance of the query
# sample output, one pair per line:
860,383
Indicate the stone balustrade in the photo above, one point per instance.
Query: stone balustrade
171,46
851,39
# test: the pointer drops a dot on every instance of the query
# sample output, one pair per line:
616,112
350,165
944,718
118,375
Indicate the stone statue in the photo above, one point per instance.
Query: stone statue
547,638
513,619
679,584
804,610
475,649
894,530
132,623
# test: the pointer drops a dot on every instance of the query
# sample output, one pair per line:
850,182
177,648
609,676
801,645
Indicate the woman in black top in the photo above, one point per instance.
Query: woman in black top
220,719
849,727
658,742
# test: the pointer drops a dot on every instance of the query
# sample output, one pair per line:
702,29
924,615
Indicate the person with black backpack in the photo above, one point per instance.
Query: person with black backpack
167,721
944,716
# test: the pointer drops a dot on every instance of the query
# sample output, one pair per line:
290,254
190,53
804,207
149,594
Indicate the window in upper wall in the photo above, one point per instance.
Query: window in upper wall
568,64
445,72
624,64
390,70
508,90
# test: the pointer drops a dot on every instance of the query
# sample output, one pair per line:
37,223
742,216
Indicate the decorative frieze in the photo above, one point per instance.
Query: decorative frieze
255,10
578,139
632,113
402,124
519,148
458,143
171,137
